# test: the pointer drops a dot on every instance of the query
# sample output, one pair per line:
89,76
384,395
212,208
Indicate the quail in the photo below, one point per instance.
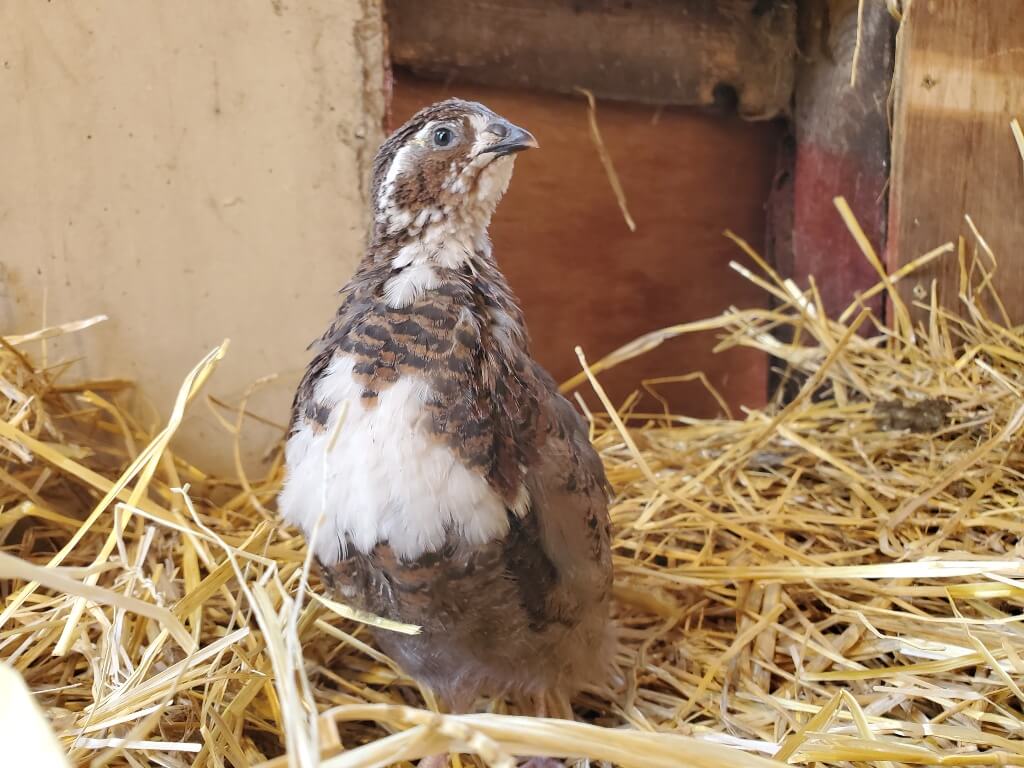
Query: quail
446,482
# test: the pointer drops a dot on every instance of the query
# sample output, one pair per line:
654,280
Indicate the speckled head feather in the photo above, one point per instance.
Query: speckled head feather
450,163
443,110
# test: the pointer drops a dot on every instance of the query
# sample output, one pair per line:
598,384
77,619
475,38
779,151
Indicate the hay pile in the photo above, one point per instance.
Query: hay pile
832,580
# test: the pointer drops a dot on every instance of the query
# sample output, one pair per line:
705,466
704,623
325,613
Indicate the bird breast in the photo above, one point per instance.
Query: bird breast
374,472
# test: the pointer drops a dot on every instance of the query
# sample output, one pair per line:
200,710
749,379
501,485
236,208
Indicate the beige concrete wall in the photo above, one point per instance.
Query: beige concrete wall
195,170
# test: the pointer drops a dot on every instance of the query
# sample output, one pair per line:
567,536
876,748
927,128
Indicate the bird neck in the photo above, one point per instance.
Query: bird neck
422,257
434,236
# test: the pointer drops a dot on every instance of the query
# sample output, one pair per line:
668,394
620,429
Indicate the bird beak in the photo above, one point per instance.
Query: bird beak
511,138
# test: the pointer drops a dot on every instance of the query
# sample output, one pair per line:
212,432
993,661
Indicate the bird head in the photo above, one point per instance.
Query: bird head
447,166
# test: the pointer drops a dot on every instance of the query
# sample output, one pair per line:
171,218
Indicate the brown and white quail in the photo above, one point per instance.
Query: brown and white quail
460,491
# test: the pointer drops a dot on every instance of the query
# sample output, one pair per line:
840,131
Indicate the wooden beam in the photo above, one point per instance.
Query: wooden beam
960,81
696,53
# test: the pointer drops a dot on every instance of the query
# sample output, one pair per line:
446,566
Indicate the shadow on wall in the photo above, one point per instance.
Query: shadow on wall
584,278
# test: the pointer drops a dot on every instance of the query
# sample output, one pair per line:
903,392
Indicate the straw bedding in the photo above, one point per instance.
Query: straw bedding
835,579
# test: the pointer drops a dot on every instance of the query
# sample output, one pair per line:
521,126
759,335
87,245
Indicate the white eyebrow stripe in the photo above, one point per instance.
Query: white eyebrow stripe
399,164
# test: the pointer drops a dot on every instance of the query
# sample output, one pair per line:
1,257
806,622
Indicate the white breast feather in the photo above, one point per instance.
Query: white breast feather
440,245
409,284
386,479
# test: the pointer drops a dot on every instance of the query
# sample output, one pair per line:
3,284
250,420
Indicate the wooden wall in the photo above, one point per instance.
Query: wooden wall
583,277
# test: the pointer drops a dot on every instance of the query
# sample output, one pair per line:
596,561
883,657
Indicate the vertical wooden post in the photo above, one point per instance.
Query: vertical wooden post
841,148
960,81
838,145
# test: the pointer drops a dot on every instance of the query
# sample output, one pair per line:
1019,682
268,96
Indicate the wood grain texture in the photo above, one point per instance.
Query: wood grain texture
584,278
960,80
695,53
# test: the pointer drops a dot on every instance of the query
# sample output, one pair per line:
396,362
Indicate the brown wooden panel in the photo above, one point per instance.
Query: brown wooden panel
960,80
691,52
583,277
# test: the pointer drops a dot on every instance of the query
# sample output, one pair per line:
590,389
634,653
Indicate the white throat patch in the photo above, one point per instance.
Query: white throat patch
438,246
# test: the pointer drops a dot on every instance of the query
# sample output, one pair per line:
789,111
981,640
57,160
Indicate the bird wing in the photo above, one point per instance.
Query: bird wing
502,414
569,504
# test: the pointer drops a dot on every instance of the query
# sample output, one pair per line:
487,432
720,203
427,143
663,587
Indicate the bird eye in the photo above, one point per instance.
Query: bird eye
443,137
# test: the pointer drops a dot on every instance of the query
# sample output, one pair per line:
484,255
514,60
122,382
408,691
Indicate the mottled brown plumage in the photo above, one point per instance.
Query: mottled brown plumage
429,357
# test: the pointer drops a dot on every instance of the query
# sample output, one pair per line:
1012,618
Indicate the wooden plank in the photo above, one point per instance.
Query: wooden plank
694,53
960,80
